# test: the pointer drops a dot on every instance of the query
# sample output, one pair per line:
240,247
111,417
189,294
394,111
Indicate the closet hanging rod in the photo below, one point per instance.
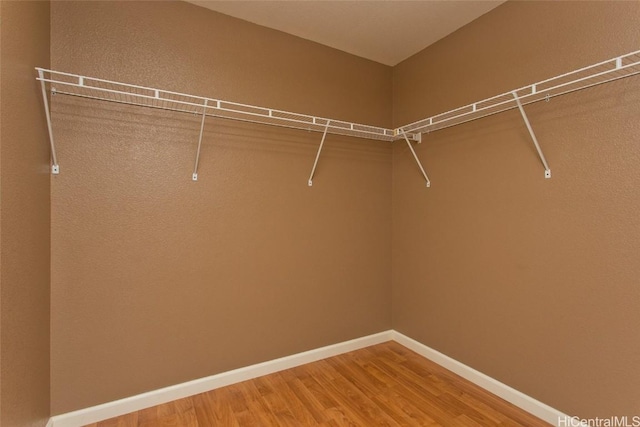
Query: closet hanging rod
123,93
603,72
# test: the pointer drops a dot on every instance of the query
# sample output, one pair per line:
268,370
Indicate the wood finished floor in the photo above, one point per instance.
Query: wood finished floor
382,385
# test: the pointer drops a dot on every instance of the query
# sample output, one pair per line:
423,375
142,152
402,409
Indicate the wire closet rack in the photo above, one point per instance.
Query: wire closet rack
123,93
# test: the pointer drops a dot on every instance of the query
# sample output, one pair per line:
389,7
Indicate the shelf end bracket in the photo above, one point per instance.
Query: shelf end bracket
55,168
415,156
194,177
547,170
315,163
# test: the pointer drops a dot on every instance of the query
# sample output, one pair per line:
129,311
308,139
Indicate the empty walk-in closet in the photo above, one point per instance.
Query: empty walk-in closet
190,200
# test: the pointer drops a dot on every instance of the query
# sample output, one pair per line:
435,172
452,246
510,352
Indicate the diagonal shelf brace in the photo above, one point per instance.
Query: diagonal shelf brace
415,156
547,171
315,164
194,177
55,168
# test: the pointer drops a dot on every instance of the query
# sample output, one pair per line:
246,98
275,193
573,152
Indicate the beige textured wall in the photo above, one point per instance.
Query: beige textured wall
24,213
157,279
534,282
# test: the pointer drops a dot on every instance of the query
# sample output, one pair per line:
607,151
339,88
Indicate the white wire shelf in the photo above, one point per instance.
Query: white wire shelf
88,87
123,93
603,72
105,90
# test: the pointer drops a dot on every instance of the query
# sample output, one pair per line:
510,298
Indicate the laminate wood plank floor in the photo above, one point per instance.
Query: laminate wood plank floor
381,385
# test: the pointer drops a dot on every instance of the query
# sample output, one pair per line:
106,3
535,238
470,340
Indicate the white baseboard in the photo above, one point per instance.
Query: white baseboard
157,397
511,395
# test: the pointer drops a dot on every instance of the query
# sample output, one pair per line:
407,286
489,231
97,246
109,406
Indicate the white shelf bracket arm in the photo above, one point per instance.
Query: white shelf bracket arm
547,171
55,168
194,177
415,156
315,163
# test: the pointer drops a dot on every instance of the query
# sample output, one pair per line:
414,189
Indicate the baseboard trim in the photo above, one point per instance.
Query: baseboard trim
116,408
157,397
511,395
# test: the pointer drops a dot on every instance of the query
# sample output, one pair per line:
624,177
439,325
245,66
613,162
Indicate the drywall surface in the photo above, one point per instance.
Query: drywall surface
24,212
534,282
157,279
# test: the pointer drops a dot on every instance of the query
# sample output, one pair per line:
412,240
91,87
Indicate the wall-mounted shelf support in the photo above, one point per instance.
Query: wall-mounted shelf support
194,177
55,168
415,156
547,171
415,137
315,163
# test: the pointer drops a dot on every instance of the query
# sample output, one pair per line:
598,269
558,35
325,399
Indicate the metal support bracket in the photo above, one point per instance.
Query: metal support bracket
415,156
547,171
194,177
315,163
55,168
415,137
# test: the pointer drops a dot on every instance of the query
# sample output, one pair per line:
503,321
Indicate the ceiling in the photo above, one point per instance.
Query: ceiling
385,31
